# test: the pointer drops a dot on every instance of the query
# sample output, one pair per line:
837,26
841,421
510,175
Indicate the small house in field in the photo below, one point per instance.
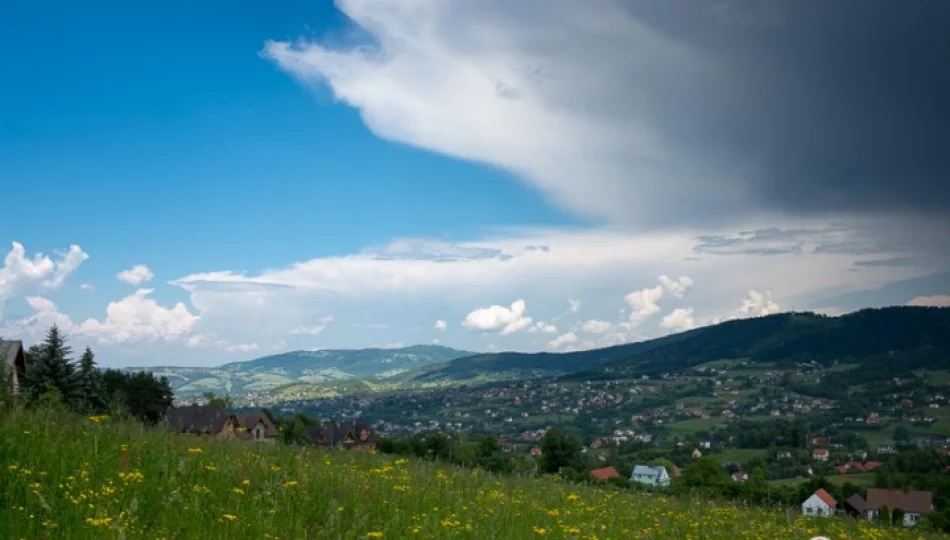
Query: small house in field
820,504
605,473
650,475
344,435
208,420
914,504
256,427
820,454
11,353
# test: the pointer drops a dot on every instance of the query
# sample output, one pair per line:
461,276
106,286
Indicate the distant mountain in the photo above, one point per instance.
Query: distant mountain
271,372
915,336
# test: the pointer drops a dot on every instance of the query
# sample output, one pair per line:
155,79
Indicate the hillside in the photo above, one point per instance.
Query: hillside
63,476
919,336
271,372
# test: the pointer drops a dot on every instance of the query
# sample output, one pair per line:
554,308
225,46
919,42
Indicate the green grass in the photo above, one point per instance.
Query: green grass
859,479
693,425
68,477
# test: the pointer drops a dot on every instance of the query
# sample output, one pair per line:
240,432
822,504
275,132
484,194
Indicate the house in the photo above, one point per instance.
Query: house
202,420
820,454
914,504
697,454
344,435
819,441
783,454
605,473
885,448
535,451
653,476
871,465
820,504
11,353
855,505
740,476
255,427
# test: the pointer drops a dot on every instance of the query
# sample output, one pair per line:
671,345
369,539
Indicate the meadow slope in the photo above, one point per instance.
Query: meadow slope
63,476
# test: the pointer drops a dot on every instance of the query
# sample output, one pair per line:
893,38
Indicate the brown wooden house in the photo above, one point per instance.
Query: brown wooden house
255,427
202,420
345,435
12,354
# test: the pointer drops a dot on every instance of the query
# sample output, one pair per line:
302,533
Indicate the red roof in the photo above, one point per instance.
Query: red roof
842,469
826,498
871,465
820,452
605,473
856,465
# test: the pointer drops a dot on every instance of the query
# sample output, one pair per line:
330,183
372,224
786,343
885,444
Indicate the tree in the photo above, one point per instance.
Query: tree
704,472
897,516
901,434
90,383
223,402
559,450
141,394
884,516
51,368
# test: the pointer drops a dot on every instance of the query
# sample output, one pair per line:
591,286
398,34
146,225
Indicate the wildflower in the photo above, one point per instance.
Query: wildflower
98,418
239,491
194,450
228,517
210,468
274,468
374,534
246,482
540,531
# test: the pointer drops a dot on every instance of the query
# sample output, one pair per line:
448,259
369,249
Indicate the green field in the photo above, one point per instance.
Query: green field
859,479
63,476
693,425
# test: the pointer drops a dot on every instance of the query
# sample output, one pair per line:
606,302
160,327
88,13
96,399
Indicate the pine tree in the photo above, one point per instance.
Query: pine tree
51,368
90,383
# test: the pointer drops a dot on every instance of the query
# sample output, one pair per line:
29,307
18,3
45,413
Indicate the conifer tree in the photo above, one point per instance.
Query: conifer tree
51,368
90,383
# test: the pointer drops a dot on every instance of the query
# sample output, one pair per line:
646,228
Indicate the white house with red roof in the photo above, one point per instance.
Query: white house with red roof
820,504
820,454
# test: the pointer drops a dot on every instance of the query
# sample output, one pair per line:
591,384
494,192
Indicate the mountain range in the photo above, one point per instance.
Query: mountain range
884,342
303,367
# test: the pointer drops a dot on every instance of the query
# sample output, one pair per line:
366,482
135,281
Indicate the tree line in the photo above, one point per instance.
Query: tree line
55,378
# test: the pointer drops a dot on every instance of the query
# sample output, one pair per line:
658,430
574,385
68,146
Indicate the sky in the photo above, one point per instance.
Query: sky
198,183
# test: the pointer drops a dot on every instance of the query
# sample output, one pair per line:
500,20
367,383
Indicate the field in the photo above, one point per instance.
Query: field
69,477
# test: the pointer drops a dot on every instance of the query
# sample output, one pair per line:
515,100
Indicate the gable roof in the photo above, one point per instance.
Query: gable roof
917,502
605,473
332,433
198,418
855,501
820,452
11,350
649,470
826,497
249,420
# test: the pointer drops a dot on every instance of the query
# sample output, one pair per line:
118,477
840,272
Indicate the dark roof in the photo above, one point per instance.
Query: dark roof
198,418
249,420
605,473
855,501
11,350
334,433
917,502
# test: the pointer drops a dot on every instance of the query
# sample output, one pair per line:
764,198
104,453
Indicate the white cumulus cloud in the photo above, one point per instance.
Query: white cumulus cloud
757,304
679,320
20,271
136,275
440,325
595,326
543,327
506,319
562,340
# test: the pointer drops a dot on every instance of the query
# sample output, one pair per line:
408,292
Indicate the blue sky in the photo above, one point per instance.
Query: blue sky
319,175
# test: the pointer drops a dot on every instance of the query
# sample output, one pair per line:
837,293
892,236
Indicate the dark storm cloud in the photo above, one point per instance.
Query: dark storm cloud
816,106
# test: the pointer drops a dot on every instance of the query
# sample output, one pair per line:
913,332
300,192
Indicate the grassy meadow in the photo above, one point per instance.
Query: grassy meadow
63,476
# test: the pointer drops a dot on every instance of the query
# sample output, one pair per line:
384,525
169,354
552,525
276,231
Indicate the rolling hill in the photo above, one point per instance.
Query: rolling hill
271,372
917,336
